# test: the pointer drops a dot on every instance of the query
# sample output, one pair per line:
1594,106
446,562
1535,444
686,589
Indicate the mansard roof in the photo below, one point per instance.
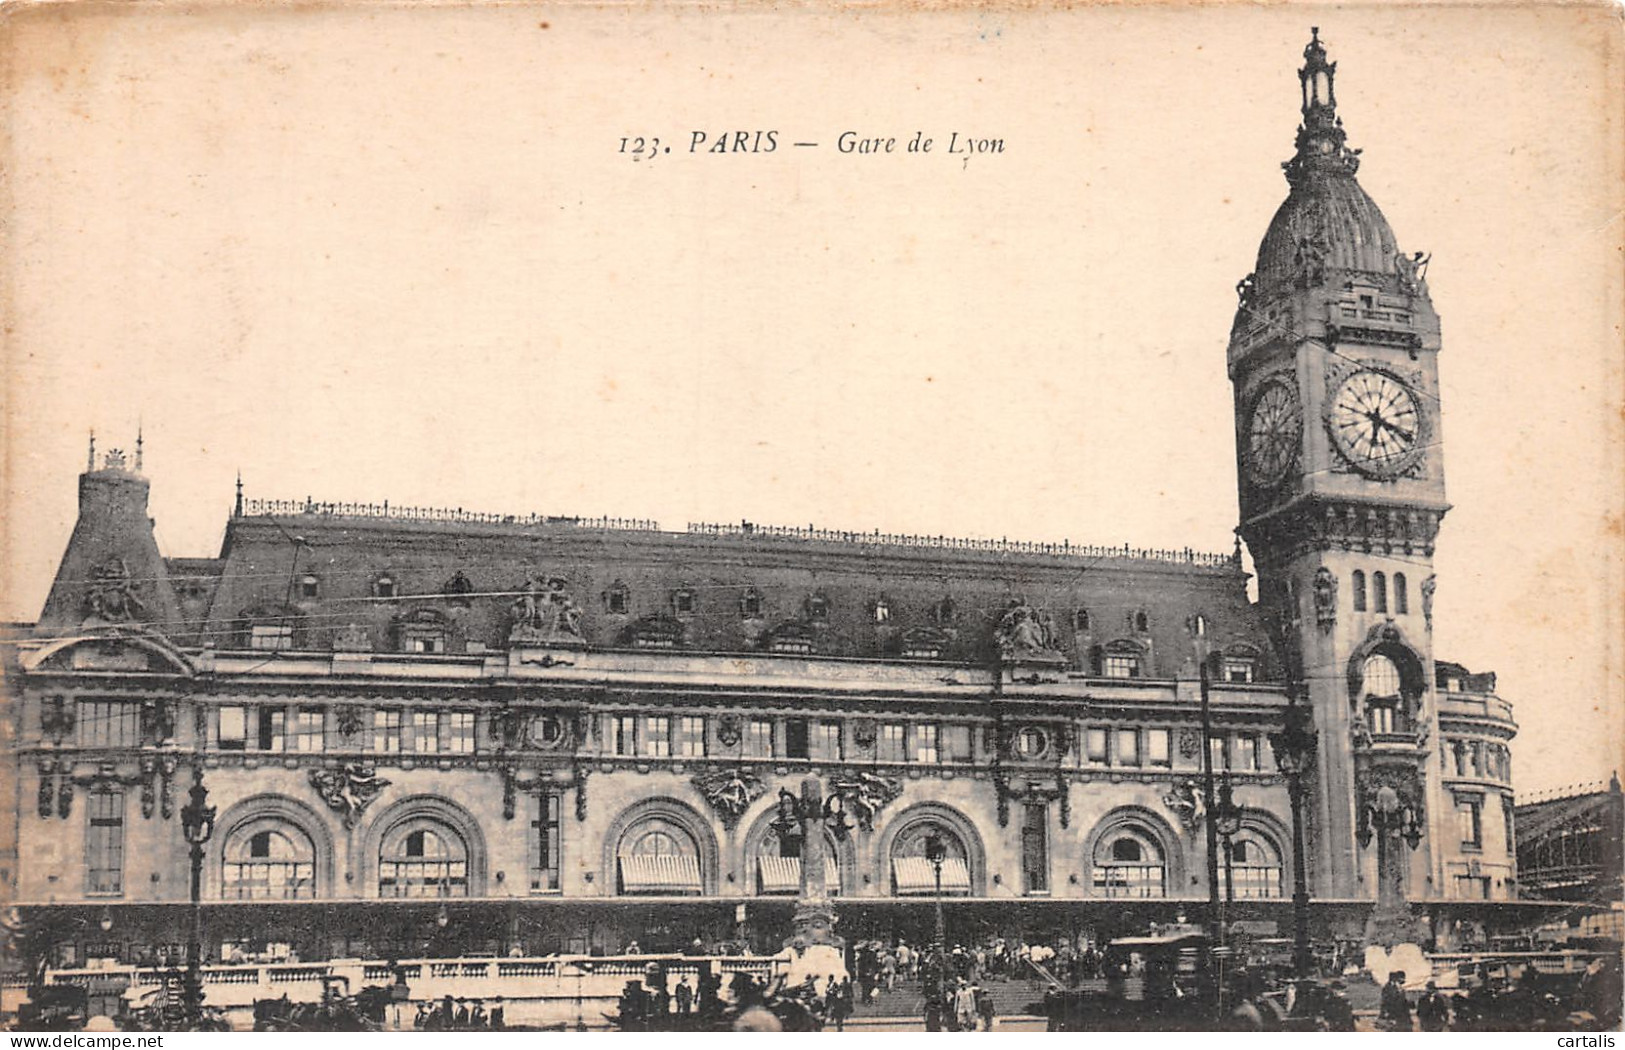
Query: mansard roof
356,574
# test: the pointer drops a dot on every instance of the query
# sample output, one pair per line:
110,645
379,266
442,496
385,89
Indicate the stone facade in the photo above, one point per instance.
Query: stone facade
439,732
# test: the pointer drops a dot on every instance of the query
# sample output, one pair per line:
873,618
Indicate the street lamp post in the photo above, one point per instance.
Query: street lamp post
197,823
1227,822
936,853
1294,750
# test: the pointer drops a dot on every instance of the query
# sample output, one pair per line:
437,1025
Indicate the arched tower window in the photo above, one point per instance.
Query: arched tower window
268,860
1128,862
1379,592
1402,600
1384,706
1357,585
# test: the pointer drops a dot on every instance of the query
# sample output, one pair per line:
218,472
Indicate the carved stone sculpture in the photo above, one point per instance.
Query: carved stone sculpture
1186,801
348,790
864,795
730,793
1325,588
545,614
112,593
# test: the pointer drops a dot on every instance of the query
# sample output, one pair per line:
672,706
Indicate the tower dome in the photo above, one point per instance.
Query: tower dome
1327,222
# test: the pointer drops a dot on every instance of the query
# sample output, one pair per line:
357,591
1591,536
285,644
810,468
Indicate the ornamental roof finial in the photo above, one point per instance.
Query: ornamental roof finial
1320,142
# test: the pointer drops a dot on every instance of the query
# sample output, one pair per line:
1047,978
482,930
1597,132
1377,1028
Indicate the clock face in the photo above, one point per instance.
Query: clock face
1274,433
1375,422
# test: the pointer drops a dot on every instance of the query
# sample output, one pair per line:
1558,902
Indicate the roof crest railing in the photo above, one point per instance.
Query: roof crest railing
742,530
457,515
1063,549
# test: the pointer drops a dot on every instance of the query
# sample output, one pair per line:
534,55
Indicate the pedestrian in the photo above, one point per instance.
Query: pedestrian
1395,1012
984,1008
965,1006
1337,1011
685,996
499,1015
1433,1010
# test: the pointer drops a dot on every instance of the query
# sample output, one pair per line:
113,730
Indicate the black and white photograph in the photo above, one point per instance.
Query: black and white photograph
681,518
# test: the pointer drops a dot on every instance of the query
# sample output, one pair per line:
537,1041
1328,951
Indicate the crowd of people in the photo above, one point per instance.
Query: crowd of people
455,1014
1530,1001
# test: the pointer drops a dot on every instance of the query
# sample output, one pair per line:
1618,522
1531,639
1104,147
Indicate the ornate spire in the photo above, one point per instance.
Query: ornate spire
238,510
90,461
138,440
1321,138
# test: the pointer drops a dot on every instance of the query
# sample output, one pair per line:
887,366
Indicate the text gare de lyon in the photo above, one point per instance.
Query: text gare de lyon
958,143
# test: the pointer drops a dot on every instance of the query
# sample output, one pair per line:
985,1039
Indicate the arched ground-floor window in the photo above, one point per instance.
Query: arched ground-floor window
422,857
660,856
1128,862
268,859
913,870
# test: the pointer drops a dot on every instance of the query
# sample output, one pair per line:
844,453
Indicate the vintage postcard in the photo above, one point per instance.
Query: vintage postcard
838,517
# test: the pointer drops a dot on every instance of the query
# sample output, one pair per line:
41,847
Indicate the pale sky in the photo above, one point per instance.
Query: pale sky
388,252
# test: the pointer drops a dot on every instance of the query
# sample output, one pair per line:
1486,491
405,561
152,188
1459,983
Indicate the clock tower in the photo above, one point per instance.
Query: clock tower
1333,358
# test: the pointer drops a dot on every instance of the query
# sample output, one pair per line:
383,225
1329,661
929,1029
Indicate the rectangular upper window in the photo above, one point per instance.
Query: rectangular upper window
925,749
1246,752
458,733
309,731
104,843
1158,750
386,732
827,742
759,738
956,744
691,736
1128,747
796,738
626,735
1094,743
1238,670
426,731
893,747
273,723
109,723
1470,819
546,845
233,728
657,737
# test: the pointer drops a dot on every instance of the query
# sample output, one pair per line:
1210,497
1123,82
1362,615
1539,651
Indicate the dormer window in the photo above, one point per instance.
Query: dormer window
270,637
818,608
423,631
309,586
1198,625
882,609
617,599
1238,670
750,604
923,643
944,612
384,586
682,602
1142,622
1122,659
1080,620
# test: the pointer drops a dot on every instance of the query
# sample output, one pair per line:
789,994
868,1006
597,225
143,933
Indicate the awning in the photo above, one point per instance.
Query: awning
916,875
664,874
783,875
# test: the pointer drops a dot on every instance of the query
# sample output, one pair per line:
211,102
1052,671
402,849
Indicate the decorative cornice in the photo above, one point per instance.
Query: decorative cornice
1325,524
